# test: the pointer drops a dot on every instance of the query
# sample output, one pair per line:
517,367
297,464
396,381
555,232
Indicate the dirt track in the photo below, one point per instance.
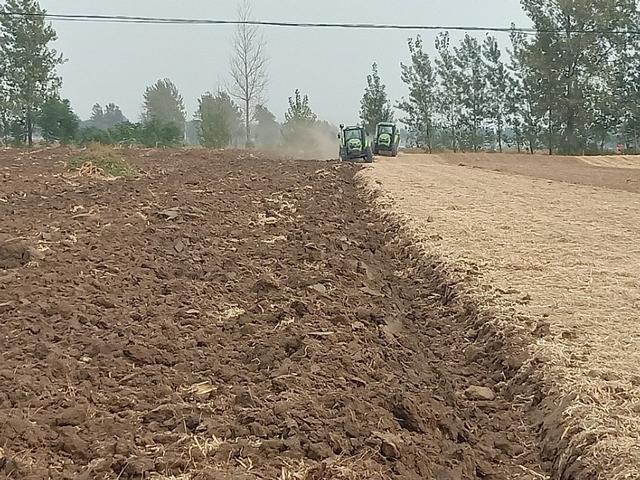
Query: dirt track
226,317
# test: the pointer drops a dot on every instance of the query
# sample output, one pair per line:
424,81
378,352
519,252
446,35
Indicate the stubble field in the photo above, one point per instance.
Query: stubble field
547,248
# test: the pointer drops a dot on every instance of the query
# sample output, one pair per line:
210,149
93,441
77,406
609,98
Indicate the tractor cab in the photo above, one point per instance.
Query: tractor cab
354,144
354,133
387,139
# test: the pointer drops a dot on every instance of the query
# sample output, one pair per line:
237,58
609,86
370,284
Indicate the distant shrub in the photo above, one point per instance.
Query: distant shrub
93,135
100,160
149,134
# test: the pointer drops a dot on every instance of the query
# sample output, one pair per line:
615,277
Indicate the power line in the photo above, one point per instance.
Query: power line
362,26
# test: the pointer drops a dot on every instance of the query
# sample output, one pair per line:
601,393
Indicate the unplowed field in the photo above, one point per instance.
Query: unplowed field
548,249
615,172
227,316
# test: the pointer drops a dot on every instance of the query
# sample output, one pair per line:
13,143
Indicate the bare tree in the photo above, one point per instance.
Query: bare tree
248,65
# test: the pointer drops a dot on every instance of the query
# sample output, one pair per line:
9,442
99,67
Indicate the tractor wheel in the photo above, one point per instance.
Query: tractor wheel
368,156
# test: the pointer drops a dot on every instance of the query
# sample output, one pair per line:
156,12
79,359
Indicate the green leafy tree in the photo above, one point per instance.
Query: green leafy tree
113,115
514,111
625,96
375,105
57,121
90,135
149,134
299,112
97,116
267,129
163,107
127,134
498,83
448,100
299,122
156,133
631,133
574,66
8,122
603,112
28,63
515,98
106,118
419,107
523,114
470,77
219,120
630,121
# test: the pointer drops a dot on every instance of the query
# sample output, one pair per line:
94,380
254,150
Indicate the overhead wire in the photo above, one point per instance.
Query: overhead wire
266,23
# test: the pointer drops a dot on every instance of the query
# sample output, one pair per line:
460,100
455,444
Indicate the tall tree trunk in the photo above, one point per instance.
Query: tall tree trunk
550,133
29,125
570,137
454,143
247,123
475,127
474,138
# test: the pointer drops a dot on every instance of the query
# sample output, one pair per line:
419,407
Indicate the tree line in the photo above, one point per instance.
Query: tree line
30,101
573,87
218,122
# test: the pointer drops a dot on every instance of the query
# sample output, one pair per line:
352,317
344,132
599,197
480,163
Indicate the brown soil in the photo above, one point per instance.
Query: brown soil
227,316
620,174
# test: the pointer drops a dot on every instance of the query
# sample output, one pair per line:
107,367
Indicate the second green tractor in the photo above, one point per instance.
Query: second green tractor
387,139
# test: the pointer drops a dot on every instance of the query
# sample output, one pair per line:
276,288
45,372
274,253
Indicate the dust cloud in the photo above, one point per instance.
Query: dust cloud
314,142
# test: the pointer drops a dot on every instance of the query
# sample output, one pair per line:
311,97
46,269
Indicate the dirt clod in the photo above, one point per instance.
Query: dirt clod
72,416
13,254
319,451
389,446
475,392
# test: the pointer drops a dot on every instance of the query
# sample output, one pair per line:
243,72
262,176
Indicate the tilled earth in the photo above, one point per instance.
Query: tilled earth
227,316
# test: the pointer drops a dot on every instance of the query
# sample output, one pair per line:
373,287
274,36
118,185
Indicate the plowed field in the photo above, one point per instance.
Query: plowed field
228,316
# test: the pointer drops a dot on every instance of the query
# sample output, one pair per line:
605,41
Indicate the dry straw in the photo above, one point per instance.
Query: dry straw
530,250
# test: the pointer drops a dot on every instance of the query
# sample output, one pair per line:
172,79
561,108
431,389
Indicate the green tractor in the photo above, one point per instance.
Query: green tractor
387,140
354,144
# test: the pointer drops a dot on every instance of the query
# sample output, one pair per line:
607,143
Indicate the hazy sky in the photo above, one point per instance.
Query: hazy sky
115,62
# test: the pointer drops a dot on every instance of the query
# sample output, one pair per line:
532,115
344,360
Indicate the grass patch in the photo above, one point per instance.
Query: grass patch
98,160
